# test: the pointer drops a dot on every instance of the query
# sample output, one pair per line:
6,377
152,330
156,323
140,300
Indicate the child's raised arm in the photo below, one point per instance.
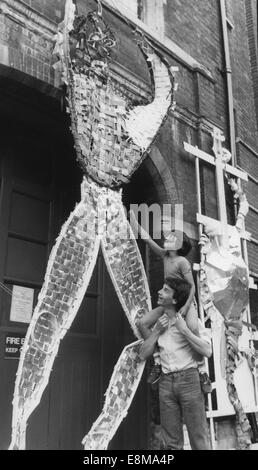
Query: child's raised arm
146,236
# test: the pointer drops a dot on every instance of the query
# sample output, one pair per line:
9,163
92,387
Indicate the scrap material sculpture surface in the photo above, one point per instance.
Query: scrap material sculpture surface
111,139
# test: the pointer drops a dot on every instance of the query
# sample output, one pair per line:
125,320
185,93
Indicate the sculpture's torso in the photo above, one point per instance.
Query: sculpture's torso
105,151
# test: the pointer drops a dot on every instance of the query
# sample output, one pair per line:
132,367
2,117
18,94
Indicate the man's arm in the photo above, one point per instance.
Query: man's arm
148,347
200,345
191,319
146,323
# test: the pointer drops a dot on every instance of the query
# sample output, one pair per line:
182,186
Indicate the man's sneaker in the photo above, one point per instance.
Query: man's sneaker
155,374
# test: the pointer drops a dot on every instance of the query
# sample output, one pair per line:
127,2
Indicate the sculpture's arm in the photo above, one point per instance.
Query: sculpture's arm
144,122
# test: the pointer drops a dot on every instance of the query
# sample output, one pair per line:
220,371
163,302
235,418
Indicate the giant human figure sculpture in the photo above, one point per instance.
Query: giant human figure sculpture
111,139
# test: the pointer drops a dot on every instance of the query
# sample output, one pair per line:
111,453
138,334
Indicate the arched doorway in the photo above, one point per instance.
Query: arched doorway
151,184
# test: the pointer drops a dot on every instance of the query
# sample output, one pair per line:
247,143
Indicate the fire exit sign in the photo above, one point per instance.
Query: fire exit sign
13,345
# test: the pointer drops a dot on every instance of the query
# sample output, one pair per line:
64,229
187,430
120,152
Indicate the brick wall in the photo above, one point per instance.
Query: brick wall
195,27
26,43
241,76
251,22
52,9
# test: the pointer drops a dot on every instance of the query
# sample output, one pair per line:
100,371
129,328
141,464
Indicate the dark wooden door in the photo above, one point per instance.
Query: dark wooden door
40,184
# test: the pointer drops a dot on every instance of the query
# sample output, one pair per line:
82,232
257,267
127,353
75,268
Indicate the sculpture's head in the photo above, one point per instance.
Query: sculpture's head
91,42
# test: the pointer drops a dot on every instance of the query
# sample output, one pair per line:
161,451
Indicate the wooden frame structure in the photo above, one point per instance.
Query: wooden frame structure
220,162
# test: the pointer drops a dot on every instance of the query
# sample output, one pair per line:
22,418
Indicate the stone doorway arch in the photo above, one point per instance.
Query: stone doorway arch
151,184
170,193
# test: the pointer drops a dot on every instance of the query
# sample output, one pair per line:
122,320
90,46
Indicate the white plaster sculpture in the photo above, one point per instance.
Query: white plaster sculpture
224,295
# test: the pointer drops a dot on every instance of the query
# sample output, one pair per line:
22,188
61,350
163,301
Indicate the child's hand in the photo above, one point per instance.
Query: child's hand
203,239
204,243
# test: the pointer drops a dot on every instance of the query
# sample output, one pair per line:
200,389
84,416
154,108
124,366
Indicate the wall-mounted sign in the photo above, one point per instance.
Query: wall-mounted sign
13,345
22,304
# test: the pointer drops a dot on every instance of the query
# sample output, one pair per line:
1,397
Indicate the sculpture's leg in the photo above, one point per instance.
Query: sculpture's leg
119,395
124,262
68,273
127,273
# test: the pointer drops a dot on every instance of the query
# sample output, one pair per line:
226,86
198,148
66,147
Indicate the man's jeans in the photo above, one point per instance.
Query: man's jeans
181,399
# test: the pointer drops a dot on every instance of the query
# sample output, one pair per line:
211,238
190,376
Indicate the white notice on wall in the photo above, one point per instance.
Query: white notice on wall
22,304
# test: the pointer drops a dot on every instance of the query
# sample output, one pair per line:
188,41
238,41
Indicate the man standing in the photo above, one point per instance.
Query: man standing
180,393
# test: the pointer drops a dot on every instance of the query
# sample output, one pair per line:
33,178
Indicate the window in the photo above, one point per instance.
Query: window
148,14
129,8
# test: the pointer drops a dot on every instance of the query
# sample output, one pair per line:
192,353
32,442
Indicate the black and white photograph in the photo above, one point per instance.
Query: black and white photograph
128,229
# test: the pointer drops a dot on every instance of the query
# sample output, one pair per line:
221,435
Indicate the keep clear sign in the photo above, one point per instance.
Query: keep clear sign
22,304
13,345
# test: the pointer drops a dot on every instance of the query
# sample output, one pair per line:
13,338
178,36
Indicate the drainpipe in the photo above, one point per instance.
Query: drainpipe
229,81
232,126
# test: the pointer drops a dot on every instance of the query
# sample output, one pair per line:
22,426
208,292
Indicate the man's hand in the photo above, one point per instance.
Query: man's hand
162,323
148,346
181,324
183,312
198,343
